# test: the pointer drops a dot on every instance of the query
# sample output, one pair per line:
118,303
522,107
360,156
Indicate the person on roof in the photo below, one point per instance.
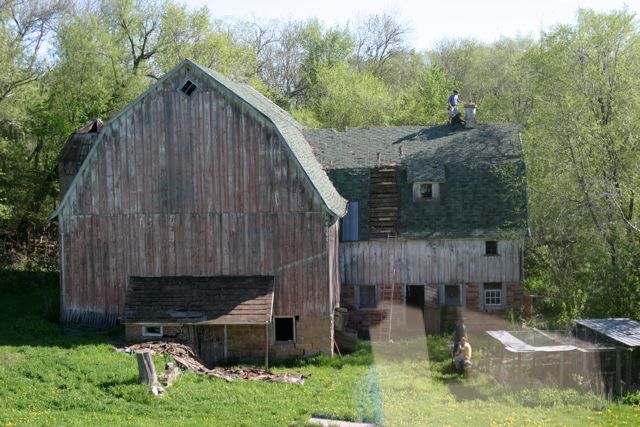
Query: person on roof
453,104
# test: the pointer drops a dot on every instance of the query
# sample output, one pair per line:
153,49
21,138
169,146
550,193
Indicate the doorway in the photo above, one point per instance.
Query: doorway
415,305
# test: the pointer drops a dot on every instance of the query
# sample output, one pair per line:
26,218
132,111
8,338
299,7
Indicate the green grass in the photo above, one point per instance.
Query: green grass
47,378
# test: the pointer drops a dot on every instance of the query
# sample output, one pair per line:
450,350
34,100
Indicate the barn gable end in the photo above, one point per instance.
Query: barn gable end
212,183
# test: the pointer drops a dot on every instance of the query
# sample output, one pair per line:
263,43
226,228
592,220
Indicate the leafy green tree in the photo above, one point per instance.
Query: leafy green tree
343,97
193,35
582,153
423,101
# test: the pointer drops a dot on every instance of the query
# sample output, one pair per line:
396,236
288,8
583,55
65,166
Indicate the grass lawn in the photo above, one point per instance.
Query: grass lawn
47,378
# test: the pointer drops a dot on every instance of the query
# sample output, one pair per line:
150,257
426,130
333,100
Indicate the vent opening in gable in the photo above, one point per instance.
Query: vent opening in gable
188,88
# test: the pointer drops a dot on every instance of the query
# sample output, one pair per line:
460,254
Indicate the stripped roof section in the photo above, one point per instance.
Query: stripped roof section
217,300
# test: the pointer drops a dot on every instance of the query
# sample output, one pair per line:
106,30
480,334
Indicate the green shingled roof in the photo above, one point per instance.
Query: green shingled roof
480,171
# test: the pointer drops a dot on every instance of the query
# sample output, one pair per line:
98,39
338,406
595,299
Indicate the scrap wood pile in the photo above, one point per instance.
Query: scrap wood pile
184,356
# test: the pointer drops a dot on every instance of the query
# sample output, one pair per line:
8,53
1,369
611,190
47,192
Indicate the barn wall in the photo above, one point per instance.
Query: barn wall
420,262
198,186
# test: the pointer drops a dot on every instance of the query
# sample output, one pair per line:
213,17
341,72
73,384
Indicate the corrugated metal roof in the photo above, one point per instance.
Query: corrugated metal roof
622,330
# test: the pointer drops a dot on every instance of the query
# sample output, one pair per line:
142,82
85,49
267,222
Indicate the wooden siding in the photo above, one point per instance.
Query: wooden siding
419,262
201,187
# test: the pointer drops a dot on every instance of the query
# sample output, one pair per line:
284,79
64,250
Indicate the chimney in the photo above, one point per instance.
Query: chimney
470,114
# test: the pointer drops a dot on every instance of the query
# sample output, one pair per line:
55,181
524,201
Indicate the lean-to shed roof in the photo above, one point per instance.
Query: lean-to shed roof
215,300
622,330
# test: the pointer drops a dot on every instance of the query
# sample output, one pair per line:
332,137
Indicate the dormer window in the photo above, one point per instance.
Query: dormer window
426,191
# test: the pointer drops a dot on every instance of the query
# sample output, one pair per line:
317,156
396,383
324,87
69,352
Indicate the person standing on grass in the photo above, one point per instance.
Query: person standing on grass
461,331
464,355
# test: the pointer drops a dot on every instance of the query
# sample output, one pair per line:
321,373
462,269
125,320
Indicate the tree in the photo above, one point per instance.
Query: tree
379,38
345,97
582,154
193,35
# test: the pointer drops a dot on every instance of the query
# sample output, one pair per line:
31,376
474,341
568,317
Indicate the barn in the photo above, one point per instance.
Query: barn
200,212
436,223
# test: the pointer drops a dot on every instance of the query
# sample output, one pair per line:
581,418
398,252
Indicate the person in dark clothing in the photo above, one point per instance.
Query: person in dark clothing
460,332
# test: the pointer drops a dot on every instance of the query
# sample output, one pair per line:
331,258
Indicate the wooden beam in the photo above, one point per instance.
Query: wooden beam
266,345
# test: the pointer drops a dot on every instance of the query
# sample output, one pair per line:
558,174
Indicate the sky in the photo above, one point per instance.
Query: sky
429,20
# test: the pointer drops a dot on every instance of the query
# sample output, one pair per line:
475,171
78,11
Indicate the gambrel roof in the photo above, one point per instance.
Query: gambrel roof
288,129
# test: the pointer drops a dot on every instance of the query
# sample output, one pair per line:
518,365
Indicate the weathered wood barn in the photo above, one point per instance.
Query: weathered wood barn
437,217
201,212
204,211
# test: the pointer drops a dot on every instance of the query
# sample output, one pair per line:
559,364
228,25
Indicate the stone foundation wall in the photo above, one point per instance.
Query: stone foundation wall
314,335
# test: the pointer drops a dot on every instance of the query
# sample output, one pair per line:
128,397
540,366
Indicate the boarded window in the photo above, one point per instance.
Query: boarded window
285,328
350,222
424,191
367,296
493,295
491,247
152,331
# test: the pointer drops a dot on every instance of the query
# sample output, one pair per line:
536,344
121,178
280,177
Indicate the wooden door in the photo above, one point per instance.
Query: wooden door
211,344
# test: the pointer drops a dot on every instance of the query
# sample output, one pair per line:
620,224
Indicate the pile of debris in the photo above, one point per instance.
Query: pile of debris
184,356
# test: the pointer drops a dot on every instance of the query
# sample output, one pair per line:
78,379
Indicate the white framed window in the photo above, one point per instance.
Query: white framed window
426,191
152,331
284,328
367,296
492,295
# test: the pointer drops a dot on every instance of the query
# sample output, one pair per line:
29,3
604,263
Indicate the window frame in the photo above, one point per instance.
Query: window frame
495,287
491,248
193,82
146,333
417,193
359,298
275,335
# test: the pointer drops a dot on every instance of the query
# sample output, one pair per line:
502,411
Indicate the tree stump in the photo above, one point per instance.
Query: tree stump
146,369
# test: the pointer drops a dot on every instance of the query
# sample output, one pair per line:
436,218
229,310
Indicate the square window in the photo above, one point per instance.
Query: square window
285,328
424,191
152,331
367,296
491,247
452,295
493,295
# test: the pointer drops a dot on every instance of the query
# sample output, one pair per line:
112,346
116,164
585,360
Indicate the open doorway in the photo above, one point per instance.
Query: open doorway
415,306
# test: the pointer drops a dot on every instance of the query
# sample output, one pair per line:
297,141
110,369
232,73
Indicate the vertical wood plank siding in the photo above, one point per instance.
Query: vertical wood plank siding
420,262
199,186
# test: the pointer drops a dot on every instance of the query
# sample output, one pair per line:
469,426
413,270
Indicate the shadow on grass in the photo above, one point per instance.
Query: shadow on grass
464,392
30,312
